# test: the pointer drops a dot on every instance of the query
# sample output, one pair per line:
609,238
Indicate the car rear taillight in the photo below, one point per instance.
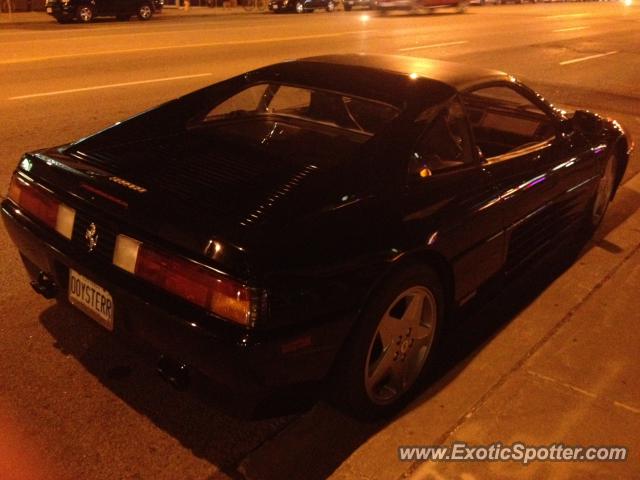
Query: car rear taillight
193,282
43,205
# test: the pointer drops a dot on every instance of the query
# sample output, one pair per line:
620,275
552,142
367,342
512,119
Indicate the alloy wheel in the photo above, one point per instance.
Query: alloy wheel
85,13
145,12
401,345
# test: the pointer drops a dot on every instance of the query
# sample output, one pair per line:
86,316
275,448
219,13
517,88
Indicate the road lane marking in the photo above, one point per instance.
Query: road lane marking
626,407
433,45
111,85
186,46
570,29
124,32
590,57
565,15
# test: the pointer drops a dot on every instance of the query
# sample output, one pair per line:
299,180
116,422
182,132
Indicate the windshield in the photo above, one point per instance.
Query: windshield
319,106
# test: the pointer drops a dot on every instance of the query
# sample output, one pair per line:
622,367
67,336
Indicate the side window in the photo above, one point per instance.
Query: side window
444,143
290,100
503,120
246,101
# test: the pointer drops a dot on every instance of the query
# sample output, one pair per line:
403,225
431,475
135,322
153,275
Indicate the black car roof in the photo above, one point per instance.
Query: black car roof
456,75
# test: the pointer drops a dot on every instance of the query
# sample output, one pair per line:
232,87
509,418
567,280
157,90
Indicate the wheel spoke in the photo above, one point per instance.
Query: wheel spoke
388,330
399,376
424,331
380,370
412,316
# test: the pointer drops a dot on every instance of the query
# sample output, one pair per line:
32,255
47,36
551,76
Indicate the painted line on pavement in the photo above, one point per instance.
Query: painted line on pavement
433,45
185,46
565,15
111,85
590,57
626,407
570,29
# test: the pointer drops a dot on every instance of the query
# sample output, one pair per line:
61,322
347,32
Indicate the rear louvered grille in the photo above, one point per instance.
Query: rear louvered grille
200,174
106,237
203,173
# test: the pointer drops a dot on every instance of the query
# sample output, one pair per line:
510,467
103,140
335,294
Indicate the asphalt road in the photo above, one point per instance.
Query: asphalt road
76,403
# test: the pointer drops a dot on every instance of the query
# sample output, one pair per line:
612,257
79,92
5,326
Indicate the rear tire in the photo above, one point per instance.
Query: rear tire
392,345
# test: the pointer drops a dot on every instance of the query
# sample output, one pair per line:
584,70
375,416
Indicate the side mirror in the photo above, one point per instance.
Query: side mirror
586,122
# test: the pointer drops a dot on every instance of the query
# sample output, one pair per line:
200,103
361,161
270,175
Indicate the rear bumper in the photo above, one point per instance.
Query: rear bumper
247,363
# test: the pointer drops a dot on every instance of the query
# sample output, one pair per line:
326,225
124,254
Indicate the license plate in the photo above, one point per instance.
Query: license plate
91,298
275,7
49,10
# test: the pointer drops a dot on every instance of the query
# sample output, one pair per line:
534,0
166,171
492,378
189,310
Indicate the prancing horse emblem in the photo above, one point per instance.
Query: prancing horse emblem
91,236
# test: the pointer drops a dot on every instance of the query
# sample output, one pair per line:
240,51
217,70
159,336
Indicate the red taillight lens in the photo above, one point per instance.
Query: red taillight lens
38,203
43,206
183,278
15,189
197,284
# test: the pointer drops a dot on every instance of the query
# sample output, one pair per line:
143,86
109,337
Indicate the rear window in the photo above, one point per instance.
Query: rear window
319,106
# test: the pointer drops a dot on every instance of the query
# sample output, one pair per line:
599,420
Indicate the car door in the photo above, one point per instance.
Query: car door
106,7
450,202
524,150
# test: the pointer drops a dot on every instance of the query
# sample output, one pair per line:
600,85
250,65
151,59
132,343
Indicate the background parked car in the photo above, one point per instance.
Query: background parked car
301,6
415,5
349,4
85,11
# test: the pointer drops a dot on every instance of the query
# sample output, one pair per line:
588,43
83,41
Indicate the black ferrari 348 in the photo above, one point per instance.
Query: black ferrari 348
313,218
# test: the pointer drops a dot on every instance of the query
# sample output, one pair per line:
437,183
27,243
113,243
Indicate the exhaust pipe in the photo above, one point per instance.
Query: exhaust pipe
45,286
174,373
